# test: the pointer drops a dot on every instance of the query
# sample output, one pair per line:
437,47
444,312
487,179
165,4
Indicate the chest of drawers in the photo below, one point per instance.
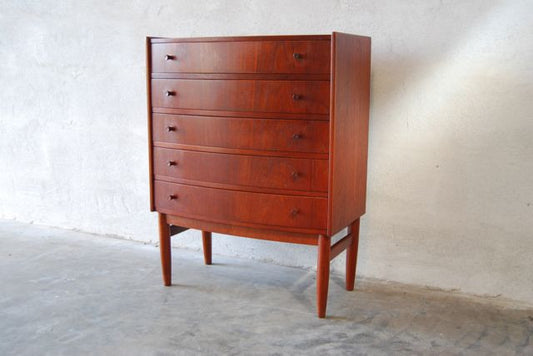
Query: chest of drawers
261,137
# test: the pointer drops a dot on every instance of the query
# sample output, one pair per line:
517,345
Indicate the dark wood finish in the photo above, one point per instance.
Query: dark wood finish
246,208
351,255
242,95
242,57
350,100
164,248
263,137
256,134
238,170
206,241
322,274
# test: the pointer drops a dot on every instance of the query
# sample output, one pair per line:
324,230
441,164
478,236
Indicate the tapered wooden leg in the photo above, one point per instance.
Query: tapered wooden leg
206,239
164,247
351,256
322,274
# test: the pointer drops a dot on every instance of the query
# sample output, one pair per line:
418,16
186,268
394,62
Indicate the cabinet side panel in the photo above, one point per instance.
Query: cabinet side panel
350,101
149,108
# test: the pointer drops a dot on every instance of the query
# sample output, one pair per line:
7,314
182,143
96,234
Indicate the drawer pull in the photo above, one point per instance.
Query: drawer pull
294,212
172,197
297,55
170,93
295,174
172,163
169,57
296,97
171,128
296,136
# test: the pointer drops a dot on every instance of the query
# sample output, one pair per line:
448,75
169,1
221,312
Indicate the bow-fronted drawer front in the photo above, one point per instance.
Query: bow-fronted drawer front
272,96
245,208
241,171
241,133
242,57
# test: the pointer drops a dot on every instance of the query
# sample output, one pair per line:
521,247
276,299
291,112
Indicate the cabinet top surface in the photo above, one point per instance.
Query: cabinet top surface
248,38
243,38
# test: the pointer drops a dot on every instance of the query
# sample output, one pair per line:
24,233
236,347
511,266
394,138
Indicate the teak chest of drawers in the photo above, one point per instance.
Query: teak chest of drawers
263,137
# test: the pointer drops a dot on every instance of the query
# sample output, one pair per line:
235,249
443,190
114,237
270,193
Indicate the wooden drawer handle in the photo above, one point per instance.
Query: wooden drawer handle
171,128
297,55
172,163
170,93
169,57
296,136
295,212
295,174
296,97
172,197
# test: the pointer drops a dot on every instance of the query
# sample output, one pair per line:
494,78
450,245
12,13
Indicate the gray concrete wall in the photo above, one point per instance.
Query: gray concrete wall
450,199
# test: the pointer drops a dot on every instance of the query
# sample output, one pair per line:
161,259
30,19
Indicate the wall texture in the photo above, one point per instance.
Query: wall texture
450,199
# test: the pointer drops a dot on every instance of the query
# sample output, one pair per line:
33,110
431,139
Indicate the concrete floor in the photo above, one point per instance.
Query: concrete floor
65,292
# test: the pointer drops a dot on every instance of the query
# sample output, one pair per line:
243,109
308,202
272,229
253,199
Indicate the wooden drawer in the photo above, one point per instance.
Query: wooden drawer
273,96
241,170
246,208
239,133
242,57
